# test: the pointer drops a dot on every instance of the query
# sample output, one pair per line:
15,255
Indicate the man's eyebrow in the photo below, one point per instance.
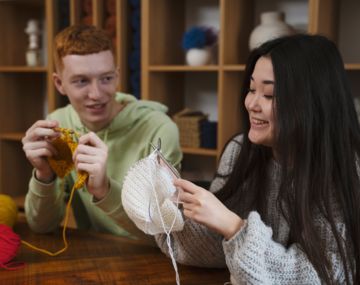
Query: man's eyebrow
87,75
77,76
108,72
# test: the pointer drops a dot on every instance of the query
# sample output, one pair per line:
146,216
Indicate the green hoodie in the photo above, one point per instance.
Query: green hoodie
128,139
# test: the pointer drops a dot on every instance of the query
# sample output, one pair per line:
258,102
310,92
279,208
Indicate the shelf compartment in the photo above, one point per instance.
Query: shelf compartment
353,76
198,168
162,88
166,39
22,101
348,38
14,16
15,170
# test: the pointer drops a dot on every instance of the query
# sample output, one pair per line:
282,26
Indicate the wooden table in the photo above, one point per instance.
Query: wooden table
94,258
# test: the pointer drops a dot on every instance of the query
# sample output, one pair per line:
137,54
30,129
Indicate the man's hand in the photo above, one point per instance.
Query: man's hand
91,156
37,147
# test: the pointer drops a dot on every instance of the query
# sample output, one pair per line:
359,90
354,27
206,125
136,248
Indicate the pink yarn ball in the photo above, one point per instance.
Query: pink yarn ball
9,245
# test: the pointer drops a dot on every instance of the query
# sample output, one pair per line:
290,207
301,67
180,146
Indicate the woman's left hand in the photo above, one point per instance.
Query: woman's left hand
203,207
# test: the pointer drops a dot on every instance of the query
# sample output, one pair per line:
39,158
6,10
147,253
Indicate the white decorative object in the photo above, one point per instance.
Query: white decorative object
272,25
33,51
199,56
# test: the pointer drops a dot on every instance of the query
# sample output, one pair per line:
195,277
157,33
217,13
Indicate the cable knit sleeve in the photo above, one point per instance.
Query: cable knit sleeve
252,256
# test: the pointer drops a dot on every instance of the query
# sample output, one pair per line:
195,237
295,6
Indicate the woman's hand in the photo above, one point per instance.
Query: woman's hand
203,207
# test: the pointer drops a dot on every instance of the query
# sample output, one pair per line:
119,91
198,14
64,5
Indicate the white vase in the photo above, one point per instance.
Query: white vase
197,56
272,25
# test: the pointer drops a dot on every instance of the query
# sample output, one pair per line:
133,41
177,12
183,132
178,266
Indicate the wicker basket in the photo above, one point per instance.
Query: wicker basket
188,122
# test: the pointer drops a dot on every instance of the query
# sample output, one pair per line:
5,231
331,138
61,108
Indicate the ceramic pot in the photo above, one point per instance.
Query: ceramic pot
272,25
198,57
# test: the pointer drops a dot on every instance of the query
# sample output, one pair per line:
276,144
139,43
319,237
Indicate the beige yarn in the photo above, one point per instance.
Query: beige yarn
147,197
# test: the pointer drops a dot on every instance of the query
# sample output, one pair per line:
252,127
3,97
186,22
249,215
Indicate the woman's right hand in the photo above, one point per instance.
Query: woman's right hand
37,147
203,207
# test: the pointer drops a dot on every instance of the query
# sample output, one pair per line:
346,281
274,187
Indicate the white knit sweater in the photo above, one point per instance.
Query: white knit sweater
257,253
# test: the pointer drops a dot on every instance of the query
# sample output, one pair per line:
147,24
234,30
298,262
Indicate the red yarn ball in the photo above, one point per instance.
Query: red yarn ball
9,245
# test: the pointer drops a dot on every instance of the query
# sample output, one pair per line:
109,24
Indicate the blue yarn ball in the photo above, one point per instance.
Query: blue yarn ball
194,38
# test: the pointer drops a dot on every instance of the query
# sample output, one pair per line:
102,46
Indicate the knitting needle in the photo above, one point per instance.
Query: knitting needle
175,197
158,152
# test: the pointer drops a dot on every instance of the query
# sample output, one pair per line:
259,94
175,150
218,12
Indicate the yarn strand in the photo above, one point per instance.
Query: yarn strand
62,166
167,232
63,232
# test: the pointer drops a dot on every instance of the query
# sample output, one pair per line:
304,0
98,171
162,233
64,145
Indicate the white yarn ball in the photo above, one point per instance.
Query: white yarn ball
140,201
198,57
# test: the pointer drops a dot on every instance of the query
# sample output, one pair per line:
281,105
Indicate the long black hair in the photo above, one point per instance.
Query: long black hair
317,144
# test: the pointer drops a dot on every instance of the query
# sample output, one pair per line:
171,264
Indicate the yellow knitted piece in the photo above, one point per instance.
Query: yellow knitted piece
62,164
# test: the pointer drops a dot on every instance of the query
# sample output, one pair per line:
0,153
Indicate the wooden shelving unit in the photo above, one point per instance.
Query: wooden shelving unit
164,71
27,93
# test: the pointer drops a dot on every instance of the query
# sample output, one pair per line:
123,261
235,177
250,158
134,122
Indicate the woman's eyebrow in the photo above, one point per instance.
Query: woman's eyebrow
264,81
268,82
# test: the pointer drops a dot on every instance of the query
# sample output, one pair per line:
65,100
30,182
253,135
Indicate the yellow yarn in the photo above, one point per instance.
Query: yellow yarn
62,165
63,232
8,210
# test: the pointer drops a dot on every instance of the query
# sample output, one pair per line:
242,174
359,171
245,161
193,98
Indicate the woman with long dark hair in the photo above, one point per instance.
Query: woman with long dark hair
284,207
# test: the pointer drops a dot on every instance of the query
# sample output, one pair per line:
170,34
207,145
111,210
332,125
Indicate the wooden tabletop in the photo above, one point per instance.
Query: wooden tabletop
94,258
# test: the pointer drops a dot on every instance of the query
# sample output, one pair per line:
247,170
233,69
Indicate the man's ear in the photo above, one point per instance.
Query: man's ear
58,83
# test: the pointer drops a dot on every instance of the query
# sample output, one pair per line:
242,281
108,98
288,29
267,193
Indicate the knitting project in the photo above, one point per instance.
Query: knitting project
148,196
62,163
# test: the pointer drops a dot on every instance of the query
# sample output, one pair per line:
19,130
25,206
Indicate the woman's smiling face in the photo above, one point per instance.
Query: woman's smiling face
259,103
